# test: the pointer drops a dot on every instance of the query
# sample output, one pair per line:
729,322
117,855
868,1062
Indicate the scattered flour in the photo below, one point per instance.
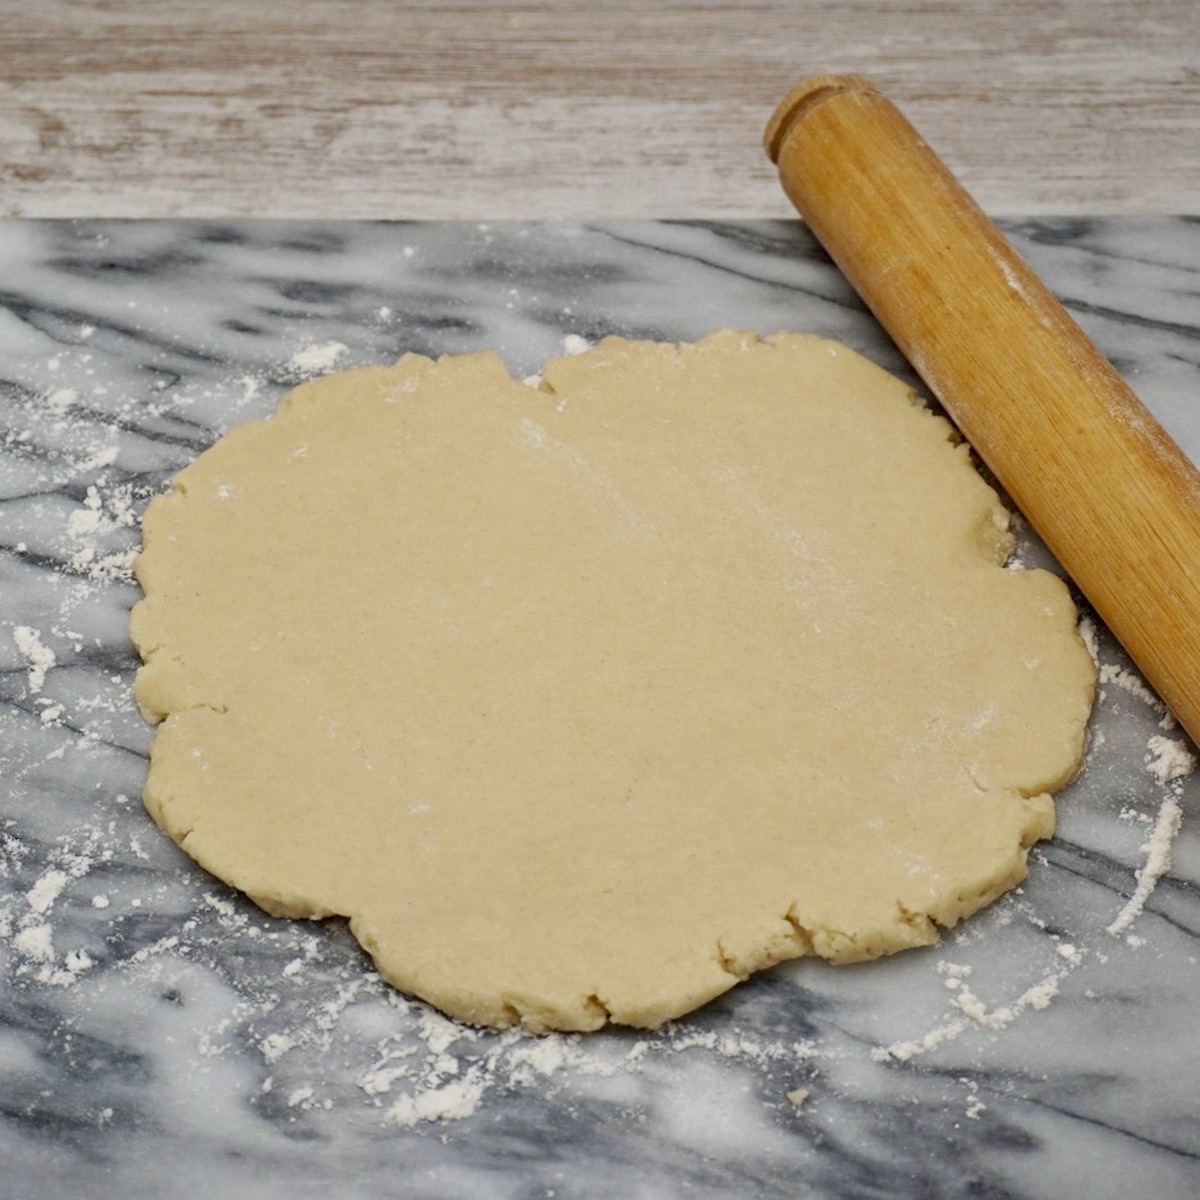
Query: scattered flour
450,1102
448,1069
1038,996
46,890
975,1106
1130,682
947,1031
975,1014
1158,862
61,399
275,1045
573,343
1169,759
35,942
36,653
107,509
1087,633
1169,762
312,360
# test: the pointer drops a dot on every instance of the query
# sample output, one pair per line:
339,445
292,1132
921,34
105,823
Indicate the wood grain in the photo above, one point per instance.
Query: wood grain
475,110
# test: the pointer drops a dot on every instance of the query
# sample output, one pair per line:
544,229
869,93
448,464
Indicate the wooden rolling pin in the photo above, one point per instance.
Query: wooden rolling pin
1114,498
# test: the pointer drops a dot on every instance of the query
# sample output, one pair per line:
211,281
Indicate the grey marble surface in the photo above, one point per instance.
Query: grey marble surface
159,1036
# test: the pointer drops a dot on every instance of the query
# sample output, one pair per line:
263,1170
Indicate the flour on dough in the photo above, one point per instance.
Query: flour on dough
583,702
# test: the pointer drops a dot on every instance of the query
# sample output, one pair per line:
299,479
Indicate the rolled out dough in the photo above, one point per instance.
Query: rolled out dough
583,702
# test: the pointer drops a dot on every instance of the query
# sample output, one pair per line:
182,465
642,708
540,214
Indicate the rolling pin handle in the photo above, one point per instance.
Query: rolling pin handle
800,100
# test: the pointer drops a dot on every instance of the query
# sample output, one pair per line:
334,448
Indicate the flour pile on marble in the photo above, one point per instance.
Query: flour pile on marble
26,919
317,358
39,657
1170,762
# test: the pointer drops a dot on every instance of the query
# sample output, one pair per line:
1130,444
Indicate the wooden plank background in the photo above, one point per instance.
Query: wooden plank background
332,108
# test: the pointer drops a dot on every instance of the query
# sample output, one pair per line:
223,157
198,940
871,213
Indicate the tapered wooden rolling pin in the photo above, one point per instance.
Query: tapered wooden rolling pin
1114,498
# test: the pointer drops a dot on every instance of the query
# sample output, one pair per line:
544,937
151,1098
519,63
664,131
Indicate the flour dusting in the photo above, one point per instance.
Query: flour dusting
1169,759
574,343
46,890
1087,634
35,942
312,360
973,1012
1130,682
1158,861
37,654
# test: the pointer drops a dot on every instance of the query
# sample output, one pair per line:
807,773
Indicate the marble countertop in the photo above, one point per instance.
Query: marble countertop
160,1036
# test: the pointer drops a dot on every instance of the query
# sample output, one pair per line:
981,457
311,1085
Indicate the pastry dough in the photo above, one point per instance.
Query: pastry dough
585,701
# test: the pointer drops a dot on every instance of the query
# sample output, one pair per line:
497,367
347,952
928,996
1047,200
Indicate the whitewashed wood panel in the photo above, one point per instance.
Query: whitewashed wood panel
491,110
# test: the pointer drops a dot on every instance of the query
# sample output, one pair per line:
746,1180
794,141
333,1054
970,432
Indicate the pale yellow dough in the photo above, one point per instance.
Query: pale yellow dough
585,701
